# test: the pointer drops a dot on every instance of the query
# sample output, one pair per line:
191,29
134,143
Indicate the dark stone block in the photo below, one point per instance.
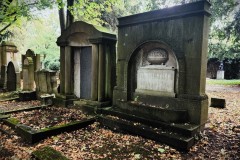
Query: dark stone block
218,103
47,100
27,95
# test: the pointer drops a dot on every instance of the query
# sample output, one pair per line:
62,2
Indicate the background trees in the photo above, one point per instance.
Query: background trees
22,22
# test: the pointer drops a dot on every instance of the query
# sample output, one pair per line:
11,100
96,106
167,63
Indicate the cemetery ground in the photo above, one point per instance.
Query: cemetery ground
220,139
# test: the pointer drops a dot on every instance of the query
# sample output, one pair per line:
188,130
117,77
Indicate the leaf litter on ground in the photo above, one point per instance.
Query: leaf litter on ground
220,139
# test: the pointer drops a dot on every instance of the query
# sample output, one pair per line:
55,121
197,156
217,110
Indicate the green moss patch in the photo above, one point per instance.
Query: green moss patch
48,153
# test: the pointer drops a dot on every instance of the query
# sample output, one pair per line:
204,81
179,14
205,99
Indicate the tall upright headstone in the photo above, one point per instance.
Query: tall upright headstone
30,64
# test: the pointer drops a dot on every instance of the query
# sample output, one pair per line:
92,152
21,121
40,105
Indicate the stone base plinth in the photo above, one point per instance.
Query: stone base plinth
27,95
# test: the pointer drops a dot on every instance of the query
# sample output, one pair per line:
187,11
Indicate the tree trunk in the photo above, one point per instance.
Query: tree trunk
62,19
69,15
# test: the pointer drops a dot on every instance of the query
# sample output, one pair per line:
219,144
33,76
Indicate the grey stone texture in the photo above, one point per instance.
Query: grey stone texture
183,32
46,82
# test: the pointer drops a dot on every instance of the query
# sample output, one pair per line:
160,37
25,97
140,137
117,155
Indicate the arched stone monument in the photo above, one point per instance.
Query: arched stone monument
161,68
87,63
9,63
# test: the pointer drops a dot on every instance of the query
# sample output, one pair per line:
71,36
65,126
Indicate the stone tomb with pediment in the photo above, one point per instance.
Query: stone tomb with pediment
87,64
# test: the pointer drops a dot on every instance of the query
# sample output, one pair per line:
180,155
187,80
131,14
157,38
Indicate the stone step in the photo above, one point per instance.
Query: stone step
175,140
153,112
185,129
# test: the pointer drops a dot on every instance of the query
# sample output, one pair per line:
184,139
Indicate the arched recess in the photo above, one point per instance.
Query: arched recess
11,77
138,59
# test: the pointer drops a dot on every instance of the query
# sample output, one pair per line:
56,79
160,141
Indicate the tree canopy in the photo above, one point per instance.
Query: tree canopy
224,33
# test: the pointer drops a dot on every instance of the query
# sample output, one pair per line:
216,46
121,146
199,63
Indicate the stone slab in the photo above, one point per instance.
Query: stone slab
218,103
156,80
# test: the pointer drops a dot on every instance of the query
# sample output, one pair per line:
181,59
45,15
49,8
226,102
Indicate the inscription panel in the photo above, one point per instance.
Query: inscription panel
156,79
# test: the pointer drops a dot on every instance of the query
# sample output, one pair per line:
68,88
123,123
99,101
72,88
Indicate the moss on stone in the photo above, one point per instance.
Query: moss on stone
48,153
59,126
13,121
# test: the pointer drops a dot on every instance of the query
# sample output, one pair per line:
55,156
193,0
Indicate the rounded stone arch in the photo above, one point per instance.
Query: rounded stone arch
77,39
11,77
80,27
137,58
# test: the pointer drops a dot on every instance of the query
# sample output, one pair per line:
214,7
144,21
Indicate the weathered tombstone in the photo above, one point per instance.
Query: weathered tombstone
220,72
161,66
87,63
30,64
46,82
28,74
46,86
9,73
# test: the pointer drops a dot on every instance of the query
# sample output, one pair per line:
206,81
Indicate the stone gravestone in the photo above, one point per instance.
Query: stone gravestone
46,82
46,85
30,64
9,73
161,67
220,72
28,74
87,64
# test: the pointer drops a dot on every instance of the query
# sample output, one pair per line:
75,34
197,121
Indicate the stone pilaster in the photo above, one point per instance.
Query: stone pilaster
62,69
68,70
101,73
94,82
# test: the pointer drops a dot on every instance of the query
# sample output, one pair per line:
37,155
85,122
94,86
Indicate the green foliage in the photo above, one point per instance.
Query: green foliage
225,30
12,11
40,35
53,65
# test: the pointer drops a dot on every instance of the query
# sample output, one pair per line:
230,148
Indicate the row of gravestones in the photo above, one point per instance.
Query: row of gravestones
33,78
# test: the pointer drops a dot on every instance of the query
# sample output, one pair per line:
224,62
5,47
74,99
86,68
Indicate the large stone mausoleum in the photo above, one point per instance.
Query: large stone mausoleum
161,62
